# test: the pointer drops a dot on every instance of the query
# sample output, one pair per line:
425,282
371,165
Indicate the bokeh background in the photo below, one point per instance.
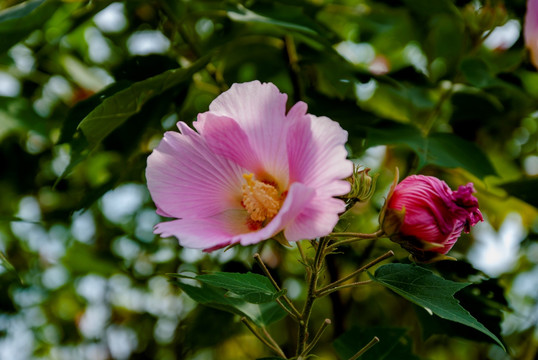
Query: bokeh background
441,87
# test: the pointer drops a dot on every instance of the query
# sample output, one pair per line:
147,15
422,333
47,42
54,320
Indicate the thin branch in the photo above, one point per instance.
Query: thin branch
290,308
337,244
375,235
373,342
331,290
301,252
267,343
316,338
356,272
354,237
272,341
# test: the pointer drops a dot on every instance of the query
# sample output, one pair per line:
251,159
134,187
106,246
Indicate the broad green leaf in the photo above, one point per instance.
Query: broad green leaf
524,189
119,107
17,22
430,291
441,149
260,314
451,151
252,288
476,72
242,14
206,327
82,108
393,344
399,101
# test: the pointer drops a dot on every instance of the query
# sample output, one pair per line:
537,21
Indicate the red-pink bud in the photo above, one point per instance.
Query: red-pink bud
426,217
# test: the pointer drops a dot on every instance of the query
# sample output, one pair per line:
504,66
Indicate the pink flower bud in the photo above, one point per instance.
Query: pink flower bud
426,217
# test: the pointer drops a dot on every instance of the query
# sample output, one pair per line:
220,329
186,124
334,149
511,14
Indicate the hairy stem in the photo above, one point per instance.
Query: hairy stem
316,338
313,275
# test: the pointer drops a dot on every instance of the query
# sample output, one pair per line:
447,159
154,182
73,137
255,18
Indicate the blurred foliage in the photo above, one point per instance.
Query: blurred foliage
87,89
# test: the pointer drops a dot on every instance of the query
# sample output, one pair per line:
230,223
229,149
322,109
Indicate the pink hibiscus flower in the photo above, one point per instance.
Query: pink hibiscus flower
250,171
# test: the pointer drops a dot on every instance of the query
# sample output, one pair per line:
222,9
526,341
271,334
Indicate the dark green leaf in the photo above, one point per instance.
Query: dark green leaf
206,327
476,72
451,151
19,21
116,109
441,149
288,20
84,107
524,189
393,344
430,291
261,315
252,288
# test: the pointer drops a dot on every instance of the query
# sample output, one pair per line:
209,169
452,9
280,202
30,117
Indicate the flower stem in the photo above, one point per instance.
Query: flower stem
290,308
269,343
323,291
301,252
316,338
374,341
313,273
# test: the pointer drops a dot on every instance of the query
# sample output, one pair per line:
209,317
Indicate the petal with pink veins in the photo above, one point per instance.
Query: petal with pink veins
260,111
188,180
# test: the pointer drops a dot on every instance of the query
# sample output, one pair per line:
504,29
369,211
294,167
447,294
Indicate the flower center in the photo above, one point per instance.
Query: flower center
261,200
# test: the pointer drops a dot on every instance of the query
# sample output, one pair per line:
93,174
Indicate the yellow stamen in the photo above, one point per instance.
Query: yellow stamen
261,200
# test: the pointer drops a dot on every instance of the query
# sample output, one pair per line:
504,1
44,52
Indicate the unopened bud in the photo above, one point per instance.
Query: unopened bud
426,217
362,185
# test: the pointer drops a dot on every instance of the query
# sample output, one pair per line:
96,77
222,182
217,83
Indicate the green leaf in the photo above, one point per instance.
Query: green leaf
441,149
430,291
524,189
451,151
260,314
288,19
17,22
82,108
393,344
476,72
119,107
252,288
